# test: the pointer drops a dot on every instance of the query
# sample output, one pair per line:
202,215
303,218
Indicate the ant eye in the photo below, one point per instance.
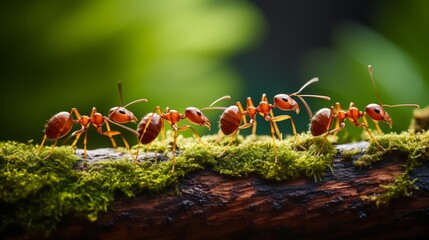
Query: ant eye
122,111
377,110
285,99
199,113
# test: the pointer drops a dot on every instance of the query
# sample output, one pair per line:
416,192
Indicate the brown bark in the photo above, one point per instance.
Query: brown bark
208,205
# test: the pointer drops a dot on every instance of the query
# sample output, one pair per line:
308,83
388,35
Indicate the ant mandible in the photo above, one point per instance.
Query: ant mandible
322,120
61,123
233,116
152,124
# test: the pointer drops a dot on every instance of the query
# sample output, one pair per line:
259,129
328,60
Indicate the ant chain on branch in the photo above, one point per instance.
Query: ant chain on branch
61,124
232,118
153,123
322,120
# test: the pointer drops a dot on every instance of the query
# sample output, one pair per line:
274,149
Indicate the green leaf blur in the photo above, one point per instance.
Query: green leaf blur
64,54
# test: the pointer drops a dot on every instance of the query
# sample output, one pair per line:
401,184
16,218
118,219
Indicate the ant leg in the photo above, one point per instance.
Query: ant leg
240,107
274,140
286,117
333,132
147,151
110,137
249,103
377,126
85,137
219,136
276,128
337,121
272,126
77,134
251,112
244,126
173,160
370,135
52,149
110,134
184,128
43,142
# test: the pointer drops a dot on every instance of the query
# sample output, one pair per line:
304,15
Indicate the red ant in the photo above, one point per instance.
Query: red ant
231,118
61,123
322,120
152,124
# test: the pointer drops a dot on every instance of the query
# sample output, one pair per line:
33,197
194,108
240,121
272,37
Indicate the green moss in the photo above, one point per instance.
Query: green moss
256,155
36,194
411,148
349,155
401,187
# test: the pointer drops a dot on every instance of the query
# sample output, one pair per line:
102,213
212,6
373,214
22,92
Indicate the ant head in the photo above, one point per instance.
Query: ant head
286,103
197,117
121,115
377,113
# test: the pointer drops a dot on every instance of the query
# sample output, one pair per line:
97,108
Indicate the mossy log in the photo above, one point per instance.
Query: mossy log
212,206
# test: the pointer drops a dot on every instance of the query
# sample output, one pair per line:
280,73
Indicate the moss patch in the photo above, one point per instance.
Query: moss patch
401,187
36,194
411,148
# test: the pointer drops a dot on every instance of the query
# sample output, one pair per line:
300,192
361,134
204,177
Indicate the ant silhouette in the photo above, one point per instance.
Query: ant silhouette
232,118
322,120
152,124
61,123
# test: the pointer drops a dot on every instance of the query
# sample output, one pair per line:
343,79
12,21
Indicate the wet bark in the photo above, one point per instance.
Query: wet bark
211,206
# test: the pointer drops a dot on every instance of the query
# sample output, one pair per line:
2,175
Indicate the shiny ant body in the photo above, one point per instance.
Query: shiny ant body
232,118
322,120
153,123
61,124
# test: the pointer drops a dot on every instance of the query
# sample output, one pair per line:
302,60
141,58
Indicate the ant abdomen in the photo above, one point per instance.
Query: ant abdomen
321,122
153,129
230,120
59,125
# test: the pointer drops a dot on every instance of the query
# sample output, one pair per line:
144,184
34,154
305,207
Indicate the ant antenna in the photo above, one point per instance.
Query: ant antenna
313,80
120,92
301,96
135,101
402,105
373,84
216,101
122,99
379,100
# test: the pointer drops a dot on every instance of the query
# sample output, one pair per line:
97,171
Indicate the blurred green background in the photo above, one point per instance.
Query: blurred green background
62,54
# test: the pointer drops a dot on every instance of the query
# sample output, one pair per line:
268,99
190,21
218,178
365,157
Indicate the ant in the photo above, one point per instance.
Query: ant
152,124
61,123
322,120
233,116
